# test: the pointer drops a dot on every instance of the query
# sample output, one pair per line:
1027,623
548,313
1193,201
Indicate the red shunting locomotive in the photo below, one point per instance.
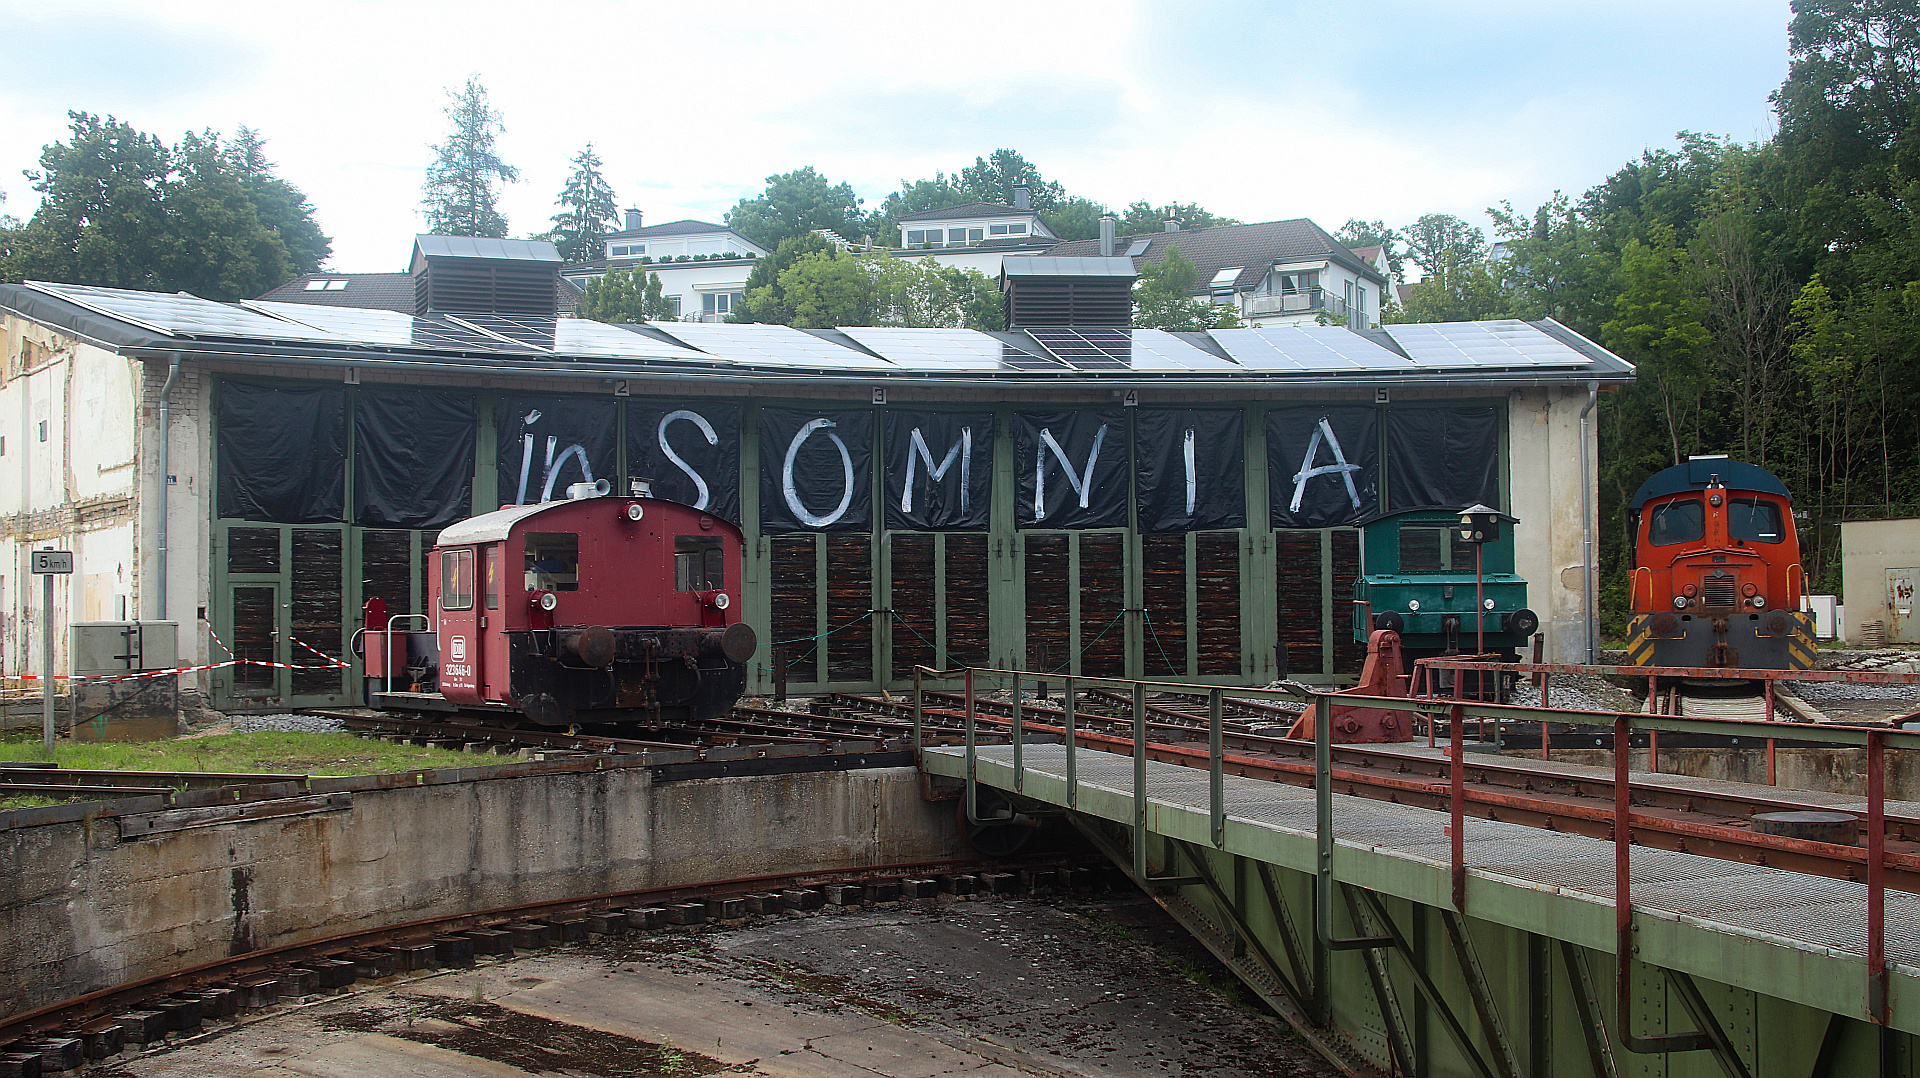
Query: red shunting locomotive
1717,580
592,609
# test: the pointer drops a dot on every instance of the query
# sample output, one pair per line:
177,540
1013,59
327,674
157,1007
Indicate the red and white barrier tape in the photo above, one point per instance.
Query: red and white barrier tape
331,664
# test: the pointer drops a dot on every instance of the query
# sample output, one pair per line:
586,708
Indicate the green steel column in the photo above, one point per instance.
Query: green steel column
756,589
1259,587
1006,591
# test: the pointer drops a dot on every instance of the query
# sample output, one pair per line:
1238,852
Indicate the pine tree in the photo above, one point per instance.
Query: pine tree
459,189
586,209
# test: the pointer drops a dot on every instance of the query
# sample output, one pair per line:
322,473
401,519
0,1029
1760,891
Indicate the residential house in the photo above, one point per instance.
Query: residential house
703,267
1276,273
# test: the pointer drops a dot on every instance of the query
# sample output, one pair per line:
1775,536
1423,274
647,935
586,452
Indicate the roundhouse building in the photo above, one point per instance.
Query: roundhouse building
1071,495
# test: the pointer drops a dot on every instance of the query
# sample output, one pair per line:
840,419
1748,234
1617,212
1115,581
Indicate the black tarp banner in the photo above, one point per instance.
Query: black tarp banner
939,469
691,451
816,470
1442,458
282,452
546,444
1322,465
412,457
1189,469
1070,469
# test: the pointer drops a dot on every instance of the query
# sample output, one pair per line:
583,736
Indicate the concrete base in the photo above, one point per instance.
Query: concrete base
83,908
1836,771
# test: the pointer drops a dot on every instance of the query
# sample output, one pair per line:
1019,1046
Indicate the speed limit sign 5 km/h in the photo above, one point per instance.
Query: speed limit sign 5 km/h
52,562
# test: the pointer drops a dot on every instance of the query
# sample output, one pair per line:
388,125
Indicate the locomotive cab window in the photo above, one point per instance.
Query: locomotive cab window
1436,549
699,563
553,561
456,579
1683,521
1755,521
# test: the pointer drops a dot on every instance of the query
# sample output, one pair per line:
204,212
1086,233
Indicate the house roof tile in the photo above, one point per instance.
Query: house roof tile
671,228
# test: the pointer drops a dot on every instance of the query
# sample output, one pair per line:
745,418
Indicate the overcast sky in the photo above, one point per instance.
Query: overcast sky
1258,111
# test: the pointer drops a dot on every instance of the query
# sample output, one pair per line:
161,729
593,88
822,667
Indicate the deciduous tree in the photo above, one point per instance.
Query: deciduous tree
1163,298
795,203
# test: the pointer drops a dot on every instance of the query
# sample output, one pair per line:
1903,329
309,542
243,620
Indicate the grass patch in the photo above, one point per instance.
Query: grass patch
30,801
265,752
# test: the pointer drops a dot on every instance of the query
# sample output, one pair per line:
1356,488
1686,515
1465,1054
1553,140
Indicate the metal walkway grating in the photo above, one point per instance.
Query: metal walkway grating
1809,911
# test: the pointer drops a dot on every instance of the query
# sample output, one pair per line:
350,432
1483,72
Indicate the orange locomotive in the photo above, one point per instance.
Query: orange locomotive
591,609
1717,580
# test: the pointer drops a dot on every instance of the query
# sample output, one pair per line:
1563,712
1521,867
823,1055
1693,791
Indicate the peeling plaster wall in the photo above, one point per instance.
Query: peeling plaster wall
1547,489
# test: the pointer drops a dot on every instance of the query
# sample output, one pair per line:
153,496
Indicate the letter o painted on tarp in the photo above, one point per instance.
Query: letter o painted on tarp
794,503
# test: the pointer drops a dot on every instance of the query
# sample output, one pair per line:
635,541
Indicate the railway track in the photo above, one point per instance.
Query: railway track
64,1035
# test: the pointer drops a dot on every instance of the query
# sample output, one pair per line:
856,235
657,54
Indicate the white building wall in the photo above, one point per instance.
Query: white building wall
1868,548
69,485
1546,493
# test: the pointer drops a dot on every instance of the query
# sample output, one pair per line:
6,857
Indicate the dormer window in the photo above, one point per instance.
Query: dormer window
1007,230
961,236
332,285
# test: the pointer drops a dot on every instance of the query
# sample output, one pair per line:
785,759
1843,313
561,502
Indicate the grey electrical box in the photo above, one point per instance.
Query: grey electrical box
123,647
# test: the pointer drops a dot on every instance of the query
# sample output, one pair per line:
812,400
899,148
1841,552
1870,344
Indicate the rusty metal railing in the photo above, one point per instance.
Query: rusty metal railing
1455,712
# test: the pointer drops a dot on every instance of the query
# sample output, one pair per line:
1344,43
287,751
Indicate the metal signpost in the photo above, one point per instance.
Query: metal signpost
49,564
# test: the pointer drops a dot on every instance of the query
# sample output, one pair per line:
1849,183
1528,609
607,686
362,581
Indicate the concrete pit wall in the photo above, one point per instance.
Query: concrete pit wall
86,903
1835,771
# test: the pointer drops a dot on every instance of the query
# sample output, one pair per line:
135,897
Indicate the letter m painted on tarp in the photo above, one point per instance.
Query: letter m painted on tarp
917,452
1081,482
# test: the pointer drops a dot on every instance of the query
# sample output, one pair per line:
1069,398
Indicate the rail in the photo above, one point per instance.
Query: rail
1454,712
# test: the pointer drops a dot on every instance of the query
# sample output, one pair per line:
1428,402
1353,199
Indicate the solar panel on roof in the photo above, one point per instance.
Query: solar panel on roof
1306,350
934,351
1088,348
363,325
1506,343
182,314
1138,248
769,345
1158,350
585,337
534,331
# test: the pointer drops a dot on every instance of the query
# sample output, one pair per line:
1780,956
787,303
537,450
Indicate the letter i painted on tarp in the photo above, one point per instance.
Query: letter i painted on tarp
1339,466
552,463
1082,483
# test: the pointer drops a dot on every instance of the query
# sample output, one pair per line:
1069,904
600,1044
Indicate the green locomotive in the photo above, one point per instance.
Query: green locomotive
1417,578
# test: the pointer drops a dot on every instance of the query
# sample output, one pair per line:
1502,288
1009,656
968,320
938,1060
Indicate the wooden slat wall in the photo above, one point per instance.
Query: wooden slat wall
386,569
1301,604
1163,574
794,612
1049,606
253,550
914,626
1217,593
316,609
849,595
967,599
253,637
1103,592
1348,654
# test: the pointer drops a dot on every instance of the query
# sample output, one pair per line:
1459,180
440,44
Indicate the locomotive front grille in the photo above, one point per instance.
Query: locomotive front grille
1719,591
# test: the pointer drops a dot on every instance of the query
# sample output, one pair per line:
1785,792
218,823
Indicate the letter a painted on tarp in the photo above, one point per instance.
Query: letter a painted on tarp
1339,466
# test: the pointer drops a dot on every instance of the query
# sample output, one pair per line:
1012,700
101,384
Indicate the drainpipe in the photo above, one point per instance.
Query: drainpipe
1589,489
166,431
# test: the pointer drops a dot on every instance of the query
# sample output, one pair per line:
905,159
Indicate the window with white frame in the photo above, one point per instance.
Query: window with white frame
719,302
965,235
927,235
626,250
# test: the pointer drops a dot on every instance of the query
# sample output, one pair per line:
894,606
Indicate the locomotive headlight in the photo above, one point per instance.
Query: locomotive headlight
1749,590
548,600
635,511
1488,604
1679,602
1413,605
722,600
1759,602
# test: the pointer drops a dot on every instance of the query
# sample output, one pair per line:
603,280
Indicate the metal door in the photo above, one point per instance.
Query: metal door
1900,623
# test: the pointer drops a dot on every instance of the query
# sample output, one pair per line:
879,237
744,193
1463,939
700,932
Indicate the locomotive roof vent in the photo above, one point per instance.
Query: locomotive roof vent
639,486
599,488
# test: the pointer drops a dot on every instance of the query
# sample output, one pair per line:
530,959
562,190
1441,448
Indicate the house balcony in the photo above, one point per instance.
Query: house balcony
1309,301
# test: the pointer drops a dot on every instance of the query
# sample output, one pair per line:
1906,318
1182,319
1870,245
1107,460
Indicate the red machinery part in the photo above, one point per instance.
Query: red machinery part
1379,677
